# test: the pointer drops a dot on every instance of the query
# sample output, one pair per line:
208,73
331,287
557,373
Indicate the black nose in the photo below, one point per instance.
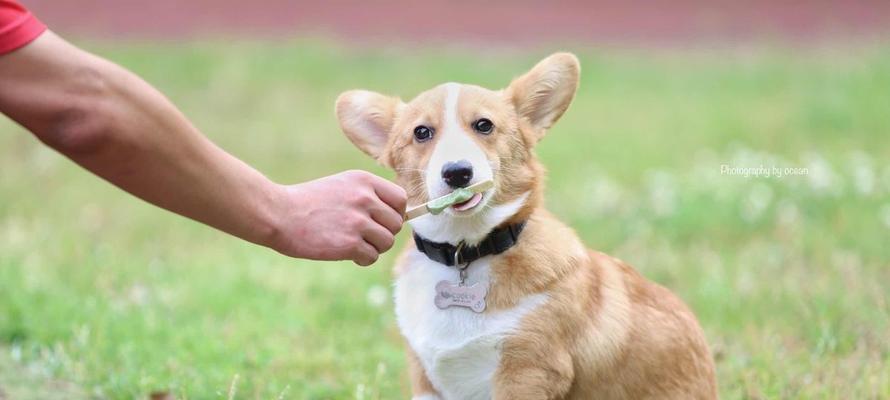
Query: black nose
457,174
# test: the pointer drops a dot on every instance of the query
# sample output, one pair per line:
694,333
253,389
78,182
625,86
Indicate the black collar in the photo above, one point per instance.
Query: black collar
497,242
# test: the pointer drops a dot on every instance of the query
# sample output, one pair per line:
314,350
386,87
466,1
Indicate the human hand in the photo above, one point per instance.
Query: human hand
353,215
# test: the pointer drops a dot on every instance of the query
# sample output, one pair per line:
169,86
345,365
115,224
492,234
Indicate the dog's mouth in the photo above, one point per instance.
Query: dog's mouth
469,204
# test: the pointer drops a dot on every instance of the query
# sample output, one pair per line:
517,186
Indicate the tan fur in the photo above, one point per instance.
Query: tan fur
605,332
420,384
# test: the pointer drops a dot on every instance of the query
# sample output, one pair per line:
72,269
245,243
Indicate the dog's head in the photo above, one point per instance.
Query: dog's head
455,135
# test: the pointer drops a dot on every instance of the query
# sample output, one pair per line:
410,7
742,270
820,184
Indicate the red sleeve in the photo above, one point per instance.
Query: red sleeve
18,26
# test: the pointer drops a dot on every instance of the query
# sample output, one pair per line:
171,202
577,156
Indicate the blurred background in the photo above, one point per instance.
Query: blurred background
661,160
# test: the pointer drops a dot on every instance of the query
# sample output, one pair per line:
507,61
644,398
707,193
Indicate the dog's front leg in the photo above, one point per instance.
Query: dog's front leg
533,369
421,388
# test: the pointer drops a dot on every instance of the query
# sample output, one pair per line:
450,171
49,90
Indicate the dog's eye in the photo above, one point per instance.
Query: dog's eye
483,126
423,133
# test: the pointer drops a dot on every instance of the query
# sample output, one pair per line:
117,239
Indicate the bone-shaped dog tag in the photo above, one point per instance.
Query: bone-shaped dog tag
454,294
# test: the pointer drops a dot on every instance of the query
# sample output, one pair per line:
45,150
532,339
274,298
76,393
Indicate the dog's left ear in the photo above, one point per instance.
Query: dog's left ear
543,94
367,118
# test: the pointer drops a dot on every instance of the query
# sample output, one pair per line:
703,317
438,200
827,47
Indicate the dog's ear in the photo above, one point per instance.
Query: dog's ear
543,94
367,118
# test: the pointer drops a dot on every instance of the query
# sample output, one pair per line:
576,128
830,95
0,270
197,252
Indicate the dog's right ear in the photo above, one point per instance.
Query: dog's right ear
366,118
543,94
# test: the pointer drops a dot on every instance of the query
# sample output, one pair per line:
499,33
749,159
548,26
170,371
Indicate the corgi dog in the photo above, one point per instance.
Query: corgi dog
495,297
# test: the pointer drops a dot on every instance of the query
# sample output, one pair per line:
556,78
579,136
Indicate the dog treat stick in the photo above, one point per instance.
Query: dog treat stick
460,195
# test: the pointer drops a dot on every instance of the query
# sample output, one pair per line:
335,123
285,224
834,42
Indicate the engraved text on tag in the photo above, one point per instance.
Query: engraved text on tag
454,294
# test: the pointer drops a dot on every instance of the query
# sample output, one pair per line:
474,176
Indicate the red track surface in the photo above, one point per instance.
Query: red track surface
521,21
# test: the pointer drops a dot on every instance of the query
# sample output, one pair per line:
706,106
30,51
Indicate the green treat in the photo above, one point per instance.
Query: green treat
457,196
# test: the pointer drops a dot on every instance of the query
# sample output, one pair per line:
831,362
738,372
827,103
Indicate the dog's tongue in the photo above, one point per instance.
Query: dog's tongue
472,202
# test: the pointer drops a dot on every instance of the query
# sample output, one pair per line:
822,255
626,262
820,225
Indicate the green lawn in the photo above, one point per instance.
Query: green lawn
104,296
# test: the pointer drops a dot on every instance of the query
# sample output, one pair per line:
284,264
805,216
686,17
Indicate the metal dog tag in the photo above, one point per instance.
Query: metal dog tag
454,294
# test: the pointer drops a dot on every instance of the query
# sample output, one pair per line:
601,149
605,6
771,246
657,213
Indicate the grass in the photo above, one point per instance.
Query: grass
107,297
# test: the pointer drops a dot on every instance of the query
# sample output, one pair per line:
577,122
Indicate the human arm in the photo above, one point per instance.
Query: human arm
116,125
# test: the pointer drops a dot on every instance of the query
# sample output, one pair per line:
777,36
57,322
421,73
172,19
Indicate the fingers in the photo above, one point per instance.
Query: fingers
391,194
377,240
388,218
365,254
367,211
379,237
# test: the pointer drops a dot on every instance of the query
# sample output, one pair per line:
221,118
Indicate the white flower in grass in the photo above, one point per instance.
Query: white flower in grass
662,193
756,202
377,295
138,295
820,176
14,233
603,196
864,179
742,156
43,159
15,352
360,391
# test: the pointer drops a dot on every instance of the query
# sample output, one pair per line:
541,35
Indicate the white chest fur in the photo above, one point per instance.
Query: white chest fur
458,348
